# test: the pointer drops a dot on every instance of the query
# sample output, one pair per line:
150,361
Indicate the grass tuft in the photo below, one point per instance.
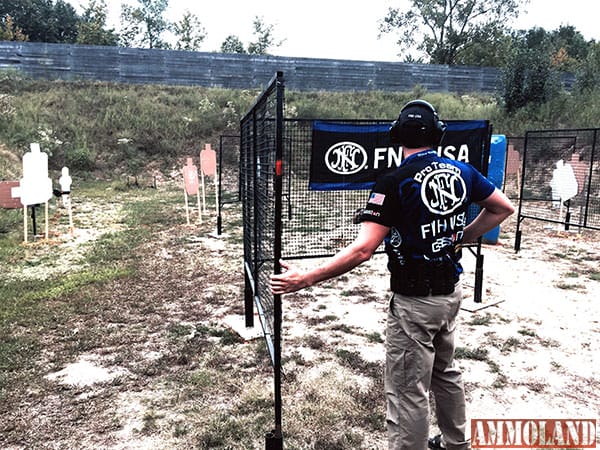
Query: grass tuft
477,354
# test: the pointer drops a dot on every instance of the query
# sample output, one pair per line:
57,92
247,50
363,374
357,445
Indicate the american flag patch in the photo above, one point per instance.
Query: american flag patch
376,199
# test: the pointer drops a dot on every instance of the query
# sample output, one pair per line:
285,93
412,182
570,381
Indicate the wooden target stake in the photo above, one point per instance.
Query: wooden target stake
199,209
187,209
203,191
46,220
25,224
70,211
208,166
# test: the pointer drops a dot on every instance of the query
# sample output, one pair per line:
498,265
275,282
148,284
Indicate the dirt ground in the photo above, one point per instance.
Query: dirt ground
537,325
544,335
117,374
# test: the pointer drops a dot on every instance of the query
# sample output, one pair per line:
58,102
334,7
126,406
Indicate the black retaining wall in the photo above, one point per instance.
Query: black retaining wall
134,65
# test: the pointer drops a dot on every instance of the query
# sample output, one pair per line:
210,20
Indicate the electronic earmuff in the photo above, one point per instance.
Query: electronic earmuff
418,125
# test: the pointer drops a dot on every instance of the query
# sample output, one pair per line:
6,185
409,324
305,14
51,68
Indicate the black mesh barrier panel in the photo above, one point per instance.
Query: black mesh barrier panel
258,200
560,179
315,223
261,141
318,223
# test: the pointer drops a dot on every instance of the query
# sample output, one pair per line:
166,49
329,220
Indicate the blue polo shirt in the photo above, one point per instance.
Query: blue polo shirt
425,202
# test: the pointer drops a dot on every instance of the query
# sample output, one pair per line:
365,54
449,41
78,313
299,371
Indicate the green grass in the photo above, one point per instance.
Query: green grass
501,380
177,330
343,328
593,274
482,354
314,341
549,342
202,378
478,354
226,335
26,300
143,125
527,332
354,360
569,286
150,420
481,320
16,351
375,337
117,129
46,300
511,344
322,320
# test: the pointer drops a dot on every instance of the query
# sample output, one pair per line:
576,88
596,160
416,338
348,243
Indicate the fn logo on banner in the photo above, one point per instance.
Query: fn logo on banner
533,433
351,156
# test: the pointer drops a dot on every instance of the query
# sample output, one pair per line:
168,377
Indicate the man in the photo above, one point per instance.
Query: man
419,210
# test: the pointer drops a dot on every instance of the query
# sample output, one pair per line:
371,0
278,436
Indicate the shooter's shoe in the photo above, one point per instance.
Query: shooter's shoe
435,443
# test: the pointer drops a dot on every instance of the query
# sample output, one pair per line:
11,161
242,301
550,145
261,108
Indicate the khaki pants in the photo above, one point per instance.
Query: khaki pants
419,356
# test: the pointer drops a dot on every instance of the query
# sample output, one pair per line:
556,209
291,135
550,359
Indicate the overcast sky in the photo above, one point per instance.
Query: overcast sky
341,29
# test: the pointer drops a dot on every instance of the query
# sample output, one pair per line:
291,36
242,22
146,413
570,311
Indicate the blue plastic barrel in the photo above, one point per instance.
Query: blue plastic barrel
496,175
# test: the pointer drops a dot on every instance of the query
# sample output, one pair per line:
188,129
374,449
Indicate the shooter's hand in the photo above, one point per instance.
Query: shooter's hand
290,280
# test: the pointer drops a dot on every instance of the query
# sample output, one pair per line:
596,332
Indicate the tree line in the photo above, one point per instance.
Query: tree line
475,32
453,32
142,25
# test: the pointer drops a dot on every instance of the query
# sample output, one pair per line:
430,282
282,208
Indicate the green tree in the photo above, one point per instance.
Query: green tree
189,32
42,20
529,78
144,25
442,29
588,73
490,46
570,49
233,44
264,40
9,31
92,27
62,23
566,46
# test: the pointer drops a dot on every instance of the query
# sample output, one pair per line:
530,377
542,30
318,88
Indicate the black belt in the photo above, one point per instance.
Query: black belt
424,278
420,290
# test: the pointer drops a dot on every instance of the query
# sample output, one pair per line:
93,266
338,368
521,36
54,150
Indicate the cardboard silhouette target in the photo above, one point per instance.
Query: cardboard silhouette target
564,184
35,186
208,167
65,182
191,187
9,195
564,187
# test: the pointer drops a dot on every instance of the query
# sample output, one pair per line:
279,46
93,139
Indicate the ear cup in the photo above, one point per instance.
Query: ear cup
395,132
418,125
